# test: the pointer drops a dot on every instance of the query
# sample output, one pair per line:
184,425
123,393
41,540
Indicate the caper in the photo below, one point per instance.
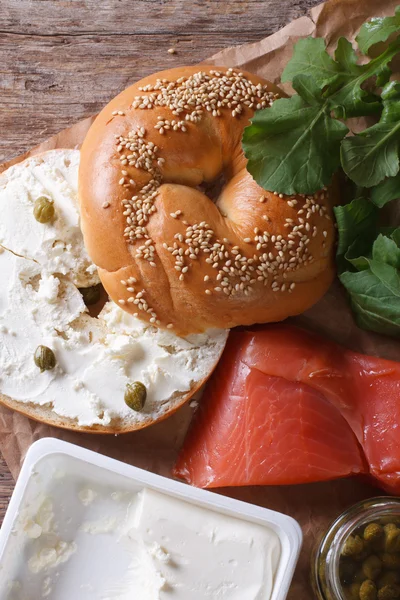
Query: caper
92,294
389,592
372,566
44,358
390,561
389,578
392,538
368,590
352,592
353,546
373,532
359,576
135,395
43,211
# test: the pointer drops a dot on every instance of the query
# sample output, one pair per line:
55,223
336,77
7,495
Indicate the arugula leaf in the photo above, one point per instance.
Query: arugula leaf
377,30
311,58
375,306
347,58
386,191
352,99
387,275
355,220
373,154
283,143
396,236
355,255
385,250
369,267
293,146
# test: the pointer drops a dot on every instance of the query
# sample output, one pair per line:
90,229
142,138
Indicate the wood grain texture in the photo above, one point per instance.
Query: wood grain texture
6,487
62,60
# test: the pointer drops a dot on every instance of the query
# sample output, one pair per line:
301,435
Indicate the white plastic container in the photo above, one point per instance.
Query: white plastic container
61,471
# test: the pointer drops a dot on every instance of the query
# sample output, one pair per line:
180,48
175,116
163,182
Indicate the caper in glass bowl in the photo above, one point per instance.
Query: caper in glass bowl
359,556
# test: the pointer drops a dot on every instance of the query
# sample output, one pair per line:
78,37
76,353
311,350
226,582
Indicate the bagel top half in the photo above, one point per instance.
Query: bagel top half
166,252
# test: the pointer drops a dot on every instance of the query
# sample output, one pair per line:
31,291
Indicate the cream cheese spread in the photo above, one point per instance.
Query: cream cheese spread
100,534
198,553
175,549
42,266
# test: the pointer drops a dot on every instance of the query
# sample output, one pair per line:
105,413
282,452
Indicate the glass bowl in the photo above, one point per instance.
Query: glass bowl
325,562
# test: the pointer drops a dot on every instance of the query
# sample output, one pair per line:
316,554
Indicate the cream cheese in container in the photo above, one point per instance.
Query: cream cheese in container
85,526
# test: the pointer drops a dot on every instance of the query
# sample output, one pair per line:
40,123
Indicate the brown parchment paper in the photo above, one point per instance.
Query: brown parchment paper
155,448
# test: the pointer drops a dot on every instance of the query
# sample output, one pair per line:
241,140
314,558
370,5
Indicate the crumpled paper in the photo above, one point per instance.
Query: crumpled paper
156,448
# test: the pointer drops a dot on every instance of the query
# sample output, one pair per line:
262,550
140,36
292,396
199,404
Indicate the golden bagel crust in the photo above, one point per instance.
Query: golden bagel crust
168,253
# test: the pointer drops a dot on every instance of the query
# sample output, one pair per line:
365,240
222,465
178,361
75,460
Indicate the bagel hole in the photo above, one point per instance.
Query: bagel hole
95,309
212,189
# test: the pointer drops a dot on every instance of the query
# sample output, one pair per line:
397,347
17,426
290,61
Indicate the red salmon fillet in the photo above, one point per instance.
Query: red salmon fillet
257,429
285,406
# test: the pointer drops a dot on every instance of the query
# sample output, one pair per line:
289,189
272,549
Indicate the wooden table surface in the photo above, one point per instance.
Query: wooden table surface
62,60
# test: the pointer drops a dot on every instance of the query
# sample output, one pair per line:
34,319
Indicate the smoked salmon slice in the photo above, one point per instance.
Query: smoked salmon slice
286,406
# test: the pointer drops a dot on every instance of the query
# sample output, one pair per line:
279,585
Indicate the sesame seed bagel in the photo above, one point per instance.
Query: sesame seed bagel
166,252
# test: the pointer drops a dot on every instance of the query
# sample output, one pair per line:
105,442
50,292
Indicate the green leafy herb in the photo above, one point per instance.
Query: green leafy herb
369,269
311,58
355,220
395,235
379,29
373,154
352,99
294,146
386,191
279,139
375,307
386,250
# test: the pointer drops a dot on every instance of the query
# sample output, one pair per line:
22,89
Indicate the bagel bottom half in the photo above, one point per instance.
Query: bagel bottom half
45,270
